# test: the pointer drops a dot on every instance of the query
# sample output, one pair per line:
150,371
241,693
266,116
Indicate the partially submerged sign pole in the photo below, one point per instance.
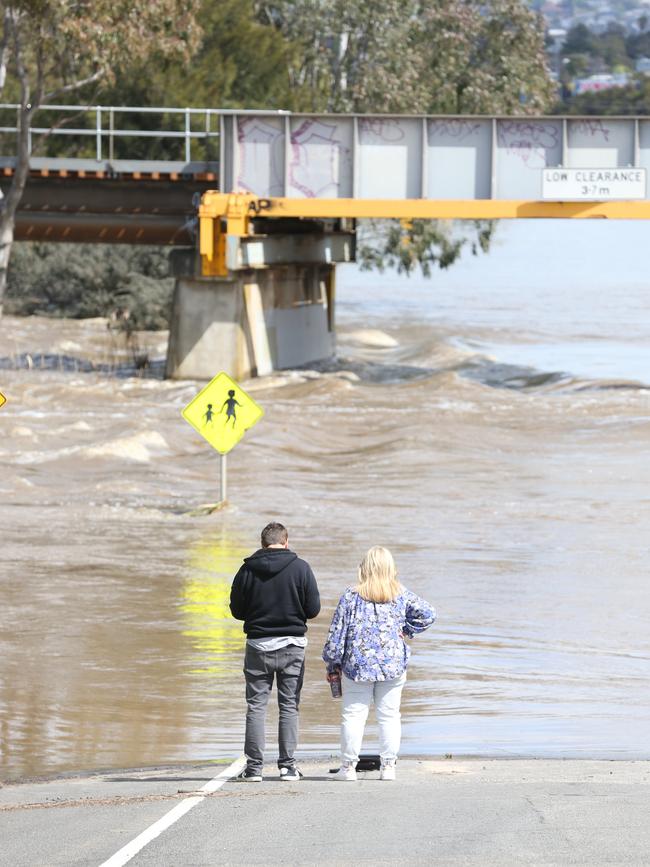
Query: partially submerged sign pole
222,412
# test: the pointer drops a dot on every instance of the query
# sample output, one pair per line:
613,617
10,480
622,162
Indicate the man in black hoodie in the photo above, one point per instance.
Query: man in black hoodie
274,593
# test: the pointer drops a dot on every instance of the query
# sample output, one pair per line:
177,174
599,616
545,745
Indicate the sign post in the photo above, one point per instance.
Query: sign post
222,412
224,481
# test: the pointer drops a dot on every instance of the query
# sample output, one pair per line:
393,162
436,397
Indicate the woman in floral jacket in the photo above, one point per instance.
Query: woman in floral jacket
366,645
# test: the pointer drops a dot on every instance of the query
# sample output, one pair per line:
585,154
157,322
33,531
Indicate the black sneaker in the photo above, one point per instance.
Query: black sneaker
290,774
248,776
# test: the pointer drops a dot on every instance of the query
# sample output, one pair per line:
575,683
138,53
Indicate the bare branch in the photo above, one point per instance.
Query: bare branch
75,85
61,122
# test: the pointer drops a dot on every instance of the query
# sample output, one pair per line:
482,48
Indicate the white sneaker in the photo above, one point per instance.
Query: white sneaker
291,774
347,772
387,770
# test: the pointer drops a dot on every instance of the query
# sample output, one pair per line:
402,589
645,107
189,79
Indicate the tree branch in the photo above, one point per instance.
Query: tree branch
63,121
75,85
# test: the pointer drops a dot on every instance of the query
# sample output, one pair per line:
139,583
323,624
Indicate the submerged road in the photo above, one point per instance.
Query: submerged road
467,811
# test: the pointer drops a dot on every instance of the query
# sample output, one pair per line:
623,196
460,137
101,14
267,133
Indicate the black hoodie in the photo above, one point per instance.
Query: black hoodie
274,593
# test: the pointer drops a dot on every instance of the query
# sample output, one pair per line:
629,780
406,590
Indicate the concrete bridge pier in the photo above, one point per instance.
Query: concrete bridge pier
265,315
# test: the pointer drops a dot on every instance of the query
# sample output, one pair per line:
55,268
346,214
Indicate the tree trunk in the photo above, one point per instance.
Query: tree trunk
6,240
9,205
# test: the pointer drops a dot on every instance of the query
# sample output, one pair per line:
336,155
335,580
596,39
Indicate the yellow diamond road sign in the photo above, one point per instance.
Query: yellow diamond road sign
222,412
3,399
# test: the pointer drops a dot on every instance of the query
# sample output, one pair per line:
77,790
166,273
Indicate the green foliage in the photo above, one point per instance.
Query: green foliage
483,57
589,52
613,49
405,245
415,56
638,44
239,63
457,56
580,40
352,56
634,99
57,50
129,284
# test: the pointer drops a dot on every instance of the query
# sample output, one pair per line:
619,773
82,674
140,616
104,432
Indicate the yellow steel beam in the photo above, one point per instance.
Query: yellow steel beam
237,209
455,209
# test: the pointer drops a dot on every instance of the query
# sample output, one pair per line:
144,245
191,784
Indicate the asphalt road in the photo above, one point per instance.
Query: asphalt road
449,812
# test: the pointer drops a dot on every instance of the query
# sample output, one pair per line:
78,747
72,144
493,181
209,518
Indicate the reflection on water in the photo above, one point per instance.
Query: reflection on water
216,637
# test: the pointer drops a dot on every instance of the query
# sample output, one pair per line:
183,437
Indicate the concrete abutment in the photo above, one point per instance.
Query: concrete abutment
252,322
274,309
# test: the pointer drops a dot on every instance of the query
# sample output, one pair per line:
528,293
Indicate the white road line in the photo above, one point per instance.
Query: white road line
131,849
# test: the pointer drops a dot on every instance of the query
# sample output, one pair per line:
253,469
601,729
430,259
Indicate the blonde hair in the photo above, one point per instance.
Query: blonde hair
378,576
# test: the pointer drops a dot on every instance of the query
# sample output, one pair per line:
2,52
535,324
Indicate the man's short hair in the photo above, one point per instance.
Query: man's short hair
274,534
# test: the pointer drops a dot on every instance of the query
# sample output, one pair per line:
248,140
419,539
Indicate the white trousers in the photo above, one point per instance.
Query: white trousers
357,697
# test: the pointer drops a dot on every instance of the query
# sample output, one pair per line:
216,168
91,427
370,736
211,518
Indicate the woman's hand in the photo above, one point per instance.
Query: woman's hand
333,675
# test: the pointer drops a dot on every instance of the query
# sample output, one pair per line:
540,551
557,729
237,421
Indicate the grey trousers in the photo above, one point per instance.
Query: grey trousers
287,665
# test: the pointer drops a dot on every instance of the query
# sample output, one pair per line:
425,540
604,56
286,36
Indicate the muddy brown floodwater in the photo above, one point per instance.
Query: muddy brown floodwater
514,497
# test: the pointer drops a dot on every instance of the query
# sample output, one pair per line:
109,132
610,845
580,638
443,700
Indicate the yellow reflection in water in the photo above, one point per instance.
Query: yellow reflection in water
216,635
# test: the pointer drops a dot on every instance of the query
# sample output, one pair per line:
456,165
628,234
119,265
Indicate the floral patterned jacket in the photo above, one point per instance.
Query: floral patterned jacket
366,639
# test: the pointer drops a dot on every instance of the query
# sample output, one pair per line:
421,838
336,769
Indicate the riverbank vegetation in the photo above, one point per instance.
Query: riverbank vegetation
130,285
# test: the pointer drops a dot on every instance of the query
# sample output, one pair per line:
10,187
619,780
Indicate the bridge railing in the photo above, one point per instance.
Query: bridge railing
108,133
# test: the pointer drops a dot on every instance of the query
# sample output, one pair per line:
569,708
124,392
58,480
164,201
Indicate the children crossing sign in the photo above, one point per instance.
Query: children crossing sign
222,412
